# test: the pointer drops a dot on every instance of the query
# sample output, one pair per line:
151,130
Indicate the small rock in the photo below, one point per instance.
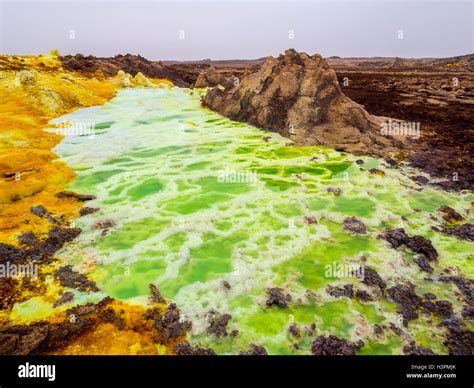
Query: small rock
185,349
310,220
66,297
363,296
88,210
295,331
423,263
79,197
156,296
334,346
449,214
72,279
28,239
354,225
338,291
334,190
420,179
218,323
277,298
417,350
255,350
104,224
225,285
372,278
375,171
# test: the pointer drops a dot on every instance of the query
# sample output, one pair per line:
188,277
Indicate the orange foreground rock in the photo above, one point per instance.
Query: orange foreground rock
34,90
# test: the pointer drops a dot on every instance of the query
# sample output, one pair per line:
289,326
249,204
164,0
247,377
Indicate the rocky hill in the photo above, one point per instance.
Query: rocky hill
298,96
131,64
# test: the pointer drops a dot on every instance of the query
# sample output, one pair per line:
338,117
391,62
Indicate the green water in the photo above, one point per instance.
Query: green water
197,199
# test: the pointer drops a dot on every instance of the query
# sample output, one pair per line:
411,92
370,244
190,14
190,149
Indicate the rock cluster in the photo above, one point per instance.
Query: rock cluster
298,96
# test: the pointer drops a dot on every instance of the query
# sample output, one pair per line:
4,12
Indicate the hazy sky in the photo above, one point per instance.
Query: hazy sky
238,29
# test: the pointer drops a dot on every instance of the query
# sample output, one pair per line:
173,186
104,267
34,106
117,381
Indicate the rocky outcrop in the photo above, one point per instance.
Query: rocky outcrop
276,297
298,96
209,78
130,64
418,244
334,346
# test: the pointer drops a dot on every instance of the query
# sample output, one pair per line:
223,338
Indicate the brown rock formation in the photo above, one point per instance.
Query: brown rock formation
131,64
210,78
298,96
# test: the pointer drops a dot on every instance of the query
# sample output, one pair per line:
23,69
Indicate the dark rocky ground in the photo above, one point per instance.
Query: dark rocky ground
445,114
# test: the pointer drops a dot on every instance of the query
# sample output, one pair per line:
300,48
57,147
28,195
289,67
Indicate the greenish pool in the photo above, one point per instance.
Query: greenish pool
197,199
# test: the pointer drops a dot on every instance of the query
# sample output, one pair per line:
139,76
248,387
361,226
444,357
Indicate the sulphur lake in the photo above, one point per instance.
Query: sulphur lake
215,212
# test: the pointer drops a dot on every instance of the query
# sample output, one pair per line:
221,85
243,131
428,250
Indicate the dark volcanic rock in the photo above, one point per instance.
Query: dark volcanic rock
310,220
40,337
41,212
459,341
373,279
418,244
185,349
88,210
354,225
14,255
408,301
66,297
38,251
104,224
466,286
57,237
468,312
277,298
338,291
463,232
449,214
28,239
295,331
417,350
69,278
423,264
218,323
77,196
364,296
255,350
396,237
420,179
110,316
442,308
334,190
298,96
156,296
225,285
334,346
169,325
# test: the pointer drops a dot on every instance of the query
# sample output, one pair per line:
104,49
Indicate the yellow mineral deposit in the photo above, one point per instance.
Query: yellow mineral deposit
33,91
